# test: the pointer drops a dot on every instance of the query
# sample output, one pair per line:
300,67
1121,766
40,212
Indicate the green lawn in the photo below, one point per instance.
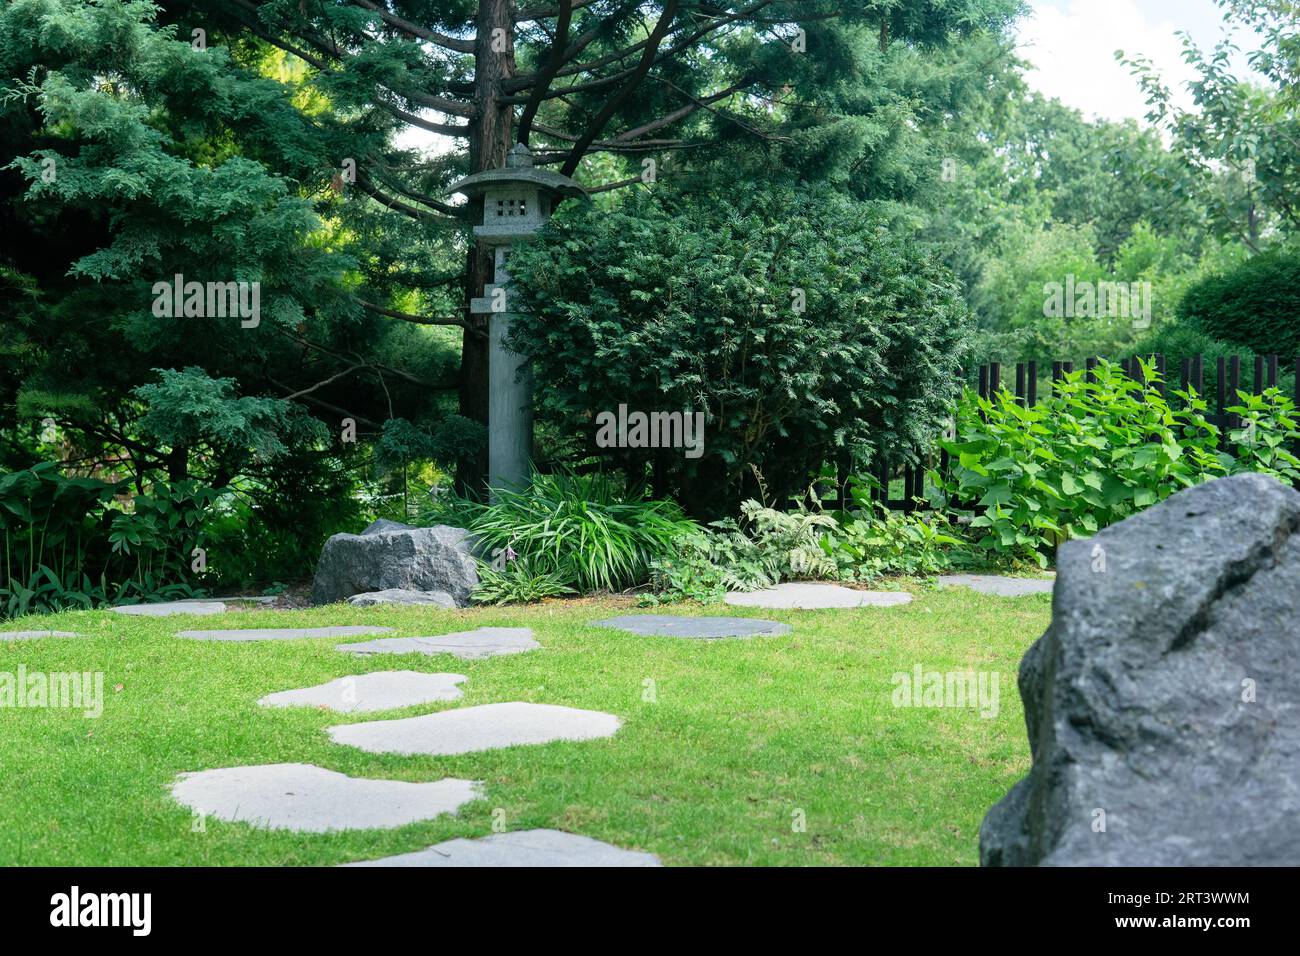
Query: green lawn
743,734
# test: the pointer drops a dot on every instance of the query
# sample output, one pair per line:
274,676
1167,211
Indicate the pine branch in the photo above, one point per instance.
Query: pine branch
545,13
455,44
717,23
552,67
408,317
612,106
397,205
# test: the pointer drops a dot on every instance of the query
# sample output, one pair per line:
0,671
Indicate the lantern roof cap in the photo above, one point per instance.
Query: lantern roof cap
519,169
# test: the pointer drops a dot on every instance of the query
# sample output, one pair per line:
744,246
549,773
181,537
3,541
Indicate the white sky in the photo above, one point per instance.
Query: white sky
1072,44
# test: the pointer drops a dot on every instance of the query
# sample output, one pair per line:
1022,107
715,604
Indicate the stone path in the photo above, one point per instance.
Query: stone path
385,690
999,584
281,633
310,799
671,625
808,596
402,596
471,729
521,848
468,645
32,635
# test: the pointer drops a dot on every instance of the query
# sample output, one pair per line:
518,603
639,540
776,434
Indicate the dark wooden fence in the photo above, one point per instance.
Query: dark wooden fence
988,381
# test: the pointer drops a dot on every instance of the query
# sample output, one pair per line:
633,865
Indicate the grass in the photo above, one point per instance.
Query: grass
723,742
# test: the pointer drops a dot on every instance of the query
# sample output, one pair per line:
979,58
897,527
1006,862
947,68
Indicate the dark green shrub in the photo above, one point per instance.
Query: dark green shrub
1256,305
273,524
66,545
805,328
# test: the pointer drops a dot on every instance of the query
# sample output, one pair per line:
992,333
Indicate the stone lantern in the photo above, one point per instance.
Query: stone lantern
517,201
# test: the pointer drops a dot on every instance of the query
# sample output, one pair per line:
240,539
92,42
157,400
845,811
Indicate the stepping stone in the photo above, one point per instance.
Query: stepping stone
524,848
806,596
281,633
470,729
385,690
468,645
30,635
671,625
310,799
167,608
998,584
402,596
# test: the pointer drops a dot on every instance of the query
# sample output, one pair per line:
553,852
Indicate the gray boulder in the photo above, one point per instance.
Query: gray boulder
382,525
1163,703
411,559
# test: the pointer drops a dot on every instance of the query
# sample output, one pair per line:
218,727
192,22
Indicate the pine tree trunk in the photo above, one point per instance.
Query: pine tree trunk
489,140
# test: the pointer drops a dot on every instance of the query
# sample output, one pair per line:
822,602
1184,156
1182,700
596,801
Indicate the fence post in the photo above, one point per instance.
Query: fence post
1221,390
1198,375
1090,363
1272,370
1033,384
1257,385
1020,384
1296,449
1234,386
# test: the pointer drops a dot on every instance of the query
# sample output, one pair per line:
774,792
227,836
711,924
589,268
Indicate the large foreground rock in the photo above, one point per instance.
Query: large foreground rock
1163,703
409,559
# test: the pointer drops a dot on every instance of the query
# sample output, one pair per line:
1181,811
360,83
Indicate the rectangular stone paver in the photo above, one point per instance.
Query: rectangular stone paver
807,595
467,645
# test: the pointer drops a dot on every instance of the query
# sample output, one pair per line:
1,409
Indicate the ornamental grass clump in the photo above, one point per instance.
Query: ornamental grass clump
577,531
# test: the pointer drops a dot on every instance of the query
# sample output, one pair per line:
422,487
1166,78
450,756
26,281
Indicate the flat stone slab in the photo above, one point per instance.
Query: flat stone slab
807,596
168,608
281,633
671,625
32,635
384,690
998,584
310,799
468,645
402,596
471,729
523,848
